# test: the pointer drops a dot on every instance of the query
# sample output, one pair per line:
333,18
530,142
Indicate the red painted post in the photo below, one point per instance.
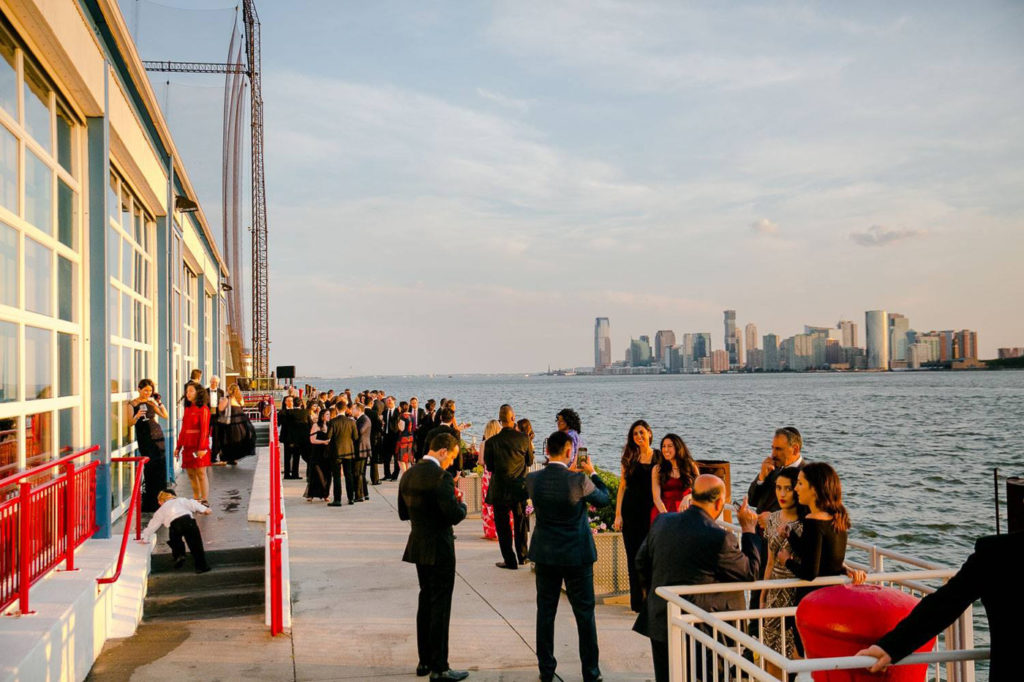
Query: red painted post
25,542
70,531
138,508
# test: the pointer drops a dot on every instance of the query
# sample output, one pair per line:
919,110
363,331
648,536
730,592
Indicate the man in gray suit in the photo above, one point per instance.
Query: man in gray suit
690,548
562,550
342,445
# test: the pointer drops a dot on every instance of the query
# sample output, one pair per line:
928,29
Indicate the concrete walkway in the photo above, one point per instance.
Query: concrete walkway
354,607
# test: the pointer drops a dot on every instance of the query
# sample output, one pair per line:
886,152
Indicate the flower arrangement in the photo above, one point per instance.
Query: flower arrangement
602,518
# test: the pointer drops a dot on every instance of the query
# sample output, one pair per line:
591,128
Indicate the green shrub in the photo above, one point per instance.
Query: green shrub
606,514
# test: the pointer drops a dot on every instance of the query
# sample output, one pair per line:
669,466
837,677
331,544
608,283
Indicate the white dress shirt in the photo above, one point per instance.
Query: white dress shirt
173,508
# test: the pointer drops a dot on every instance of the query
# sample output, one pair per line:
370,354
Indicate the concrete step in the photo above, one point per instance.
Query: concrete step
262,434
222,576
204,603
163,562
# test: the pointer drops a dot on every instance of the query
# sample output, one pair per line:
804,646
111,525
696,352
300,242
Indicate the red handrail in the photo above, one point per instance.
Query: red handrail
135,502
275,540
38,531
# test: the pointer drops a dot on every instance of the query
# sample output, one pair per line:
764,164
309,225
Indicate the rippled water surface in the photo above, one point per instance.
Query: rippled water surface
915,450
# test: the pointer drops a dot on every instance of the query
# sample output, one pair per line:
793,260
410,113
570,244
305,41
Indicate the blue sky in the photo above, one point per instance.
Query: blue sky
463,187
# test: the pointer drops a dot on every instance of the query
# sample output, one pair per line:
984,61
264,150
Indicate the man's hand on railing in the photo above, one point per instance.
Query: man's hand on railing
878,652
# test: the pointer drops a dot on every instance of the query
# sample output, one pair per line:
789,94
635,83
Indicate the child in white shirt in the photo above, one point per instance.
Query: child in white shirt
176,514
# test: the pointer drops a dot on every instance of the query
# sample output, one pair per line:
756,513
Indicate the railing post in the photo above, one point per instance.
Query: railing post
25,542
70,529
138,508
675,643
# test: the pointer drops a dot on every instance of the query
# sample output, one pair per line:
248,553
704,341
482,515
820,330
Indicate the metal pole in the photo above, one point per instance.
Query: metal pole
24,547
995,487
70,534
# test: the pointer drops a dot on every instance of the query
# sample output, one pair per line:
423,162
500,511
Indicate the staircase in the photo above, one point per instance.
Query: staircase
234,586
262,434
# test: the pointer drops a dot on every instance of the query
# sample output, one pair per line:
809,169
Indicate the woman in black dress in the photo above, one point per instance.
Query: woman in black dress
820,548
634,502
318,475
150,437
238,437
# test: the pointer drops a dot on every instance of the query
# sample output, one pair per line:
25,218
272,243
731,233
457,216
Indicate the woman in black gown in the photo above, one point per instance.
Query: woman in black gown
238,436
150,437
318,474
634,502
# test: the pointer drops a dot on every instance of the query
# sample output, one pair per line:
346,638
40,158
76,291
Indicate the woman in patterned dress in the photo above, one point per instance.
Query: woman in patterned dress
789,517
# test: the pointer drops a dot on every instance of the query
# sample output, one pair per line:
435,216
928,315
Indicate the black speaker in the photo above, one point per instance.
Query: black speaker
286,371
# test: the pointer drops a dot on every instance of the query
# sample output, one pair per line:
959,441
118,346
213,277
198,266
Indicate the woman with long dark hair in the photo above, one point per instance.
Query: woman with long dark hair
318,475
819,550
194,440
568,422
634,501
672,477
150,437
788,516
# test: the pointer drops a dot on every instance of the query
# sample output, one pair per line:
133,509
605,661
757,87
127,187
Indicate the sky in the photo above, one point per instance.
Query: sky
463,187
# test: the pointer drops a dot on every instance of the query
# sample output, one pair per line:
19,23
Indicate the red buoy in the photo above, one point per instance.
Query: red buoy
843,619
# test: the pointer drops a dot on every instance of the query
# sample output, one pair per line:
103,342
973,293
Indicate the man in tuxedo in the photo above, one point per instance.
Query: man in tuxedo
426,425
364,451
508,456
427,496
391,433
376,441
786,447
689,548
562,550
446,425
342,444
216,394
992,574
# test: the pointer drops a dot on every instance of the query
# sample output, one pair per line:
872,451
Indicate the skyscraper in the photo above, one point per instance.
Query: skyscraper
701,345
663,340
771,353
730,336
899,325
750,332
876,331
640,352
848,331
602,343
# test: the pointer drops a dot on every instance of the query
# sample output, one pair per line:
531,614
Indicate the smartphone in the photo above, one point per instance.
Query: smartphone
582,455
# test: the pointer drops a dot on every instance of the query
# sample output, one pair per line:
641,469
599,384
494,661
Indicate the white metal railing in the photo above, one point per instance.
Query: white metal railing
716,646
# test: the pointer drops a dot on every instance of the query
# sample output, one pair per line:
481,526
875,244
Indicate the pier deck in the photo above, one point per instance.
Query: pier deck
354,606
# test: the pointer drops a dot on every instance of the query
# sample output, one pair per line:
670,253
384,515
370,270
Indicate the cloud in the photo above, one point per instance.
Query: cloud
879,235
520,105
765,226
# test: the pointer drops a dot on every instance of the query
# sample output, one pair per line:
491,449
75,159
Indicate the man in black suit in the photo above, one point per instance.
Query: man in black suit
992,574
786,446
508,456
689,548
562,549
427,496
446,425
216,394
391,433
363,451
426,425
376,441
342,444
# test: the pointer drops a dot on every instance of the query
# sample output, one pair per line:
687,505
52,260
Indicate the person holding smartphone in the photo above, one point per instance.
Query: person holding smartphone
146,409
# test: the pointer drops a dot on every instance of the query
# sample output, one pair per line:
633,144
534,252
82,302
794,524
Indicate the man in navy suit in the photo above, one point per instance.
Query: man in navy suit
690,548
562,550
427,496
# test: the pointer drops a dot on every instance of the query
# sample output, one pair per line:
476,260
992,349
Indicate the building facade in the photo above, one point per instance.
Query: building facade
729,319
663,340
876,331
602,343
102,281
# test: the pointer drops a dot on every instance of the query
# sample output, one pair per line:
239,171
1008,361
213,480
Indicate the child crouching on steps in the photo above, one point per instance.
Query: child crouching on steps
176,514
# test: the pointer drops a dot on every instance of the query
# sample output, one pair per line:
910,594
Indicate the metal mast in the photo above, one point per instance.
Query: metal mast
260,308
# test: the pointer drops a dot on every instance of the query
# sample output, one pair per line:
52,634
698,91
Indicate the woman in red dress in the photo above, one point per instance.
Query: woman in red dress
672,476
194,440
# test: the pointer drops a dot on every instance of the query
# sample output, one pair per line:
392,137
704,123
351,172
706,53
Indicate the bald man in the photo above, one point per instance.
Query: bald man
690,548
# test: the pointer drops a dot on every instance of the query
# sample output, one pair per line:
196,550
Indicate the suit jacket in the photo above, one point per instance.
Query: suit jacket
508,456
761,496
364,427
689,548
992,574
561,500
375,426
343,437
295,425
390,425
426,496
436,431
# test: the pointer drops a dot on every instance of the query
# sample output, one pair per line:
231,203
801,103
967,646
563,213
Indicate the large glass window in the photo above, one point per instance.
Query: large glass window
38,278
8,362
8,265
38,363
41,361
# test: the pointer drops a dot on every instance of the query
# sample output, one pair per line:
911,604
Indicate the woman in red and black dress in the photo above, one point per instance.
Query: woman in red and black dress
672,477
194,440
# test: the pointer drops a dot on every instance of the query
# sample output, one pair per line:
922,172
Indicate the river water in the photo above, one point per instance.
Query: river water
915,450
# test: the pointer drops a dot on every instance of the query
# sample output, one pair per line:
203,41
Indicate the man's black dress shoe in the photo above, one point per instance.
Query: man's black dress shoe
422,670
452,675
334,504
502,564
